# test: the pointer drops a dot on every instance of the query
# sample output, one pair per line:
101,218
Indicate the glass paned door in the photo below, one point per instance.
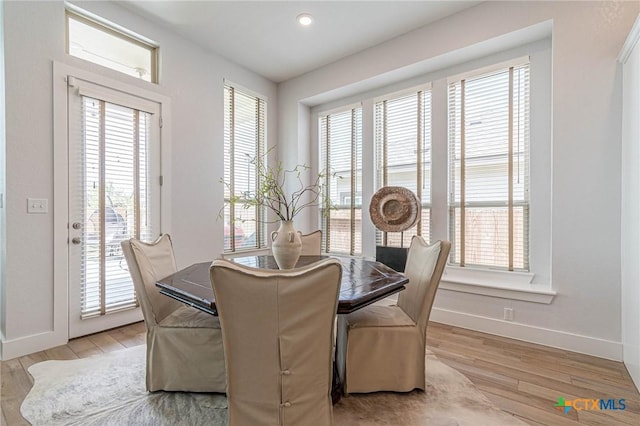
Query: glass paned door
113,196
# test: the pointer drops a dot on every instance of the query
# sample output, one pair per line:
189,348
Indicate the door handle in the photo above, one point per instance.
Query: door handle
76,240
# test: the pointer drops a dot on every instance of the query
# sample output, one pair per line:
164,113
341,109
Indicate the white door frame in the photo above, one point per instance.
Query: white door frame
60,332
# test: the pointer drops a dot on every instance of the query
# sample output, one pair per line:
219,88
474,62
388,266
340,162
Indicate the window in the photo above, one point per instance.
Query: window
403,156
489,168
244,142
115,201
105,44
341,156
474,149
114,186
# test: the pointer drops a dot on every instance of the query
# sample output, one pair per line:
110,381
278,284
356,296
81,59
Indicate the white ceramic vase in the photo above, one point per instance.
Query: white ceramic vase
286,245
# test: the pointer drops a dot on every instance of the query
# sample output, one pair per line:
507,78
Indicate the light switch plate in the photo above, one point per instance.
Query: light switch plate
37,205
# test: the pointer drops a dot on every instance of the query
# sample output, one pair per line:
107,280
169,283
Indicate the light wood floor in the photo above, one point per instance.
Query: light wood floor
521,378
526,380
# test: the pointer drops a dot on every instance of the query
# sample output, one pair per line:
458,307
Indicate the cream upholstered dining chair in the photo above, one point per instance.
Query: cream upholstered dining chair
311,243
382,348
184,345
277,332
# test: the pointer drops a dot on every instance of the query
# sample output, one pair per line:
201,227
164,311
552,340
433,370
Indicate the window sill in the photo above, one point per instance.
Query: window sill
506,285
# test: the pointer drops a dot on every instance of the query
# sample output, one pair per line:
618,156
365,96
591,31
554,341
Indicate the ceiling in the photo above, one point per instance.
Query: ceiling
265,37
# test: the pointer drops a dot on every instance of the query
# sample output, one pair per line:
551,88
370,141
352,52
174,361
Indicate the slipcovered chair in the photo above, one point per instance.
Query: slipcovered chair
311,243
277,332
184,345
382,348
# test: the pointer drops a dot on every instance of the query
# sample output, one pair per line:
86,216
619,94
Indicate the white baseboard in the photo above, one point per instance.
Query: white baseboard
10,349
542,336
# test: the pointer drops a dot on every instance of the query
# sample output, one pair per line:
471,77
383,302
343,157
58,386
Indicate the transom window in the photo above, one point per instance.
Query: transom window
102,43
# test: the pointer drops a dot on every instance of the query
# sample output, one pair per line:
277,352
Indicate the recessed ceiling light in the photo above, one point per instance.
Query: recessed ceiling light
305,19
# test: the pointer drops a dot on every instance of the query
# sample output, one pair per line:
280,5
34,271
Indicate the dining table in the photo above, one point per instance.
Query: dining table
363,281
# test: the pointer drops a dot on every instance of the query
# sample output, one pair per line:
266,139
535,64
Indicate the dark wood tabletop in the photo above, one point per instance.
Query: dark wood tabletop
363,282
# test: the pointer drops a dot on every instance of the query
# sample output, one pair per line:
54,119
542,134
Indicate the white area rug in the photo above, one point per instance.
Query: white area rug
109,389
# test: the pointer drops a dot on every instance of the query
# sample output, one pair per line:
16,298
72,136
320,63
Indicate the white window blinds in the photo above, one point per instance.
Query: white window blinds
115,201
403,156
341,155
489,169
244,142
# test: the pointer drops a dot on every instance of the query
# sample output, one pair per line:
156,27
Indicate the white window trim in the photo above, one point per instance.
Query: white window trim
61,71
489,69
404,92
246,91
337,110
139,38
92,90
504,284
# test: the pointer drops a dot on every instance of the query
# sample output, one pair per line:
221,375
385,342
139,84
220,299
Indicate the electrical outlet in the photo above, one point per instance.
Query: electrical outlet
37,205
508,314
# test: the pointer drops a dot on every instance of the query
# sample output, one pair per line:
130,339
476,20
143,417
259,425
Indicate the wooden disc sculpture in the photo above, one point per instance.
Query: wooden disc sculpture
394,209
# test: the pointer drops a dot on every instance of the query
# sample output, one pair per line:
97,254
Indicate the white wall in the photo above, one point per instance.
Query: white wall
193,79
630,57
585,159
